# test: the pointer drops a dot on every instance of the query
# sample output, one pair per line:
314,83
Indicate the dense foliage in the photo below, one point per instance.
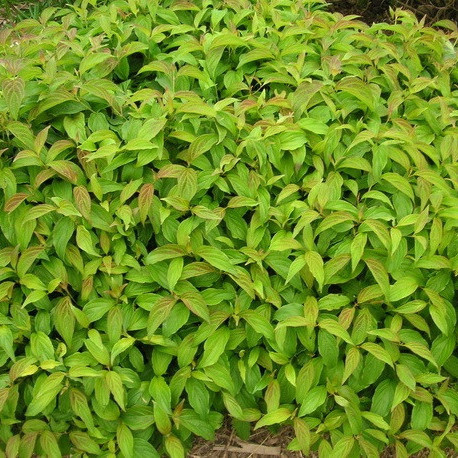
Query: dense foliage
220,208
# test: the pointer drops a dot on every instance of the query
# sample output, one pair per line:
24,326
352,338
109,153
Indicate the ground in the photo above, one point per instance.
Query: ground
264,444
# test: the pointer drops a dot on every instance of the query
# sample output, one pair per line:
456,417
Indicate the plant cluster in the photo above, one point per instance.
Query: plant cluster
235,207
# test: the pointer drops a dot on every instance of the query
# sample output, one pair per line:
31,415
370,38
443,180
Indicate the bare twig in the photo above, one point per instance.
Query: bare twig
228,444
250,449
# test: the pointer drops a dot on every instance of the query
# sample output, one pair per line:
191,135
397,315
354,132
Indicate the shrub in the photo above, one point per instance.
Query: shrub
226,208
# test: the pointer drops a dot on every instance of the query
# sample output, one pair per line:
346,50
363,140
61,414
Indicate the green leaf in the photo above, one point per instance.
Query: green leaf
343,447
315,264
95,346
80,406
84,241
174,447
214,347
162,419
199,146
159,312
49,444
138,417
255,55
333,302
97,308
401,393
404,287
272,418
164,252
258,322
83,201
41,346
291,140
379,352
6,341
198,108
38,211
91,60
357,249
422,415
114,384
302,432
82,441
232,406
313,125
216,258
357,88
65,320
351,363
376,420
187,184
196,304
335,328
190,420
315,398
332,220
121,346
400,183
418,437
282,241
125,440
421,350
295,267
22,133
174,272
380,274
438,311
13,93
45,394
160,392
405,375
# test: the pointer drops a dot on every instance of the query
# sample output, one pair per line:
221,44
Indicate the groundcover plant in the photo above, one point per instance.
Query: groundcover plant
231,209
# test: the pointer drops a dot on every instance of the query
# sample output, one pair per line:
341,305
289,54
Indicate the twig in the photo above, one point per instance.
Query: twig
228,444
251,449
261,444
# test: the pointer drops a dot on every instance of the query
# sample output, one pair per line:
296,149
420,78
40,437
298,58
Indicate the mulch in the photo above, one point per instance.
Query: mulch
262,444
265,444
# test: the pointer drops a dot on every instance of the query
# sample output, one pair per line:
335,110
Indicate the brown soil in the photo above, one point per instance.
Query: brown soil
378,10
369,10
